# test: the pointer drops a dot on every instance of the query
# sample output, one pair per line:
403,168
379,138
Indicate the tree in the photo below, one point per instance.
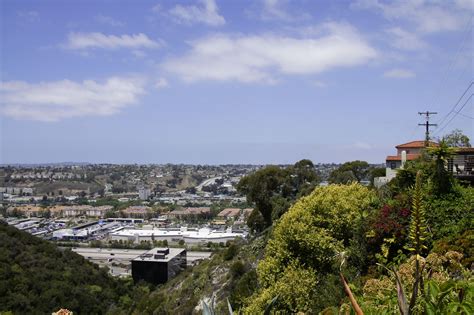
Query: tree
442,179
349,172
457,139
376,172
273,189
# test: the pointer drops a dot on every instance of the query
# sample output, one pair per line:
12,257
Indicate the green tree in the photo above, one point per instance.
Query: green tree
442,179
349,172
376,172
273,189
457,139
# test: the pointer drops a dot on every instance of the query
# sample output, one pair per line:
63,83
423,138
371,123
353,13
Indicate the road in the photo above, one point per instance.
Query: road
207,182
119,260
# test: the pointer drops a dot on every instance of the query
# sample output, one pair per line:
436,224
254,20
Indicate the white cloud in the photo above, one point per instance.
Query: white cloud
161,83
30,16
427,16
207,13
156,8
107,20
399,74
56,100
139,53
319,84
278,10
405,40
81,41
256,58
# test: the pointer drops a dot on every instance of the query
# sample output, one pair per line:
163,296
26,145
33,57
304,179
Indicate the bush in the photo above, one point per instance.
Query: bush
237,269
230,252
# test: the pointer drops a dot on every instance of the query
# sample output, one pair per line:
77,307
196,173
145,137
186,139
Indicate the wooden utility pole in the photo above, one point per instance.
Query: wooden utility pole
427,125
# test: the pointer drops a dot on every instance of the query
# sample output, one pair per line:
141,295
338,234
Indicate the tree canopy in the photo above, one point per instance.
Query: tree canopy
38,278
302,248
273,189
350,172
456,138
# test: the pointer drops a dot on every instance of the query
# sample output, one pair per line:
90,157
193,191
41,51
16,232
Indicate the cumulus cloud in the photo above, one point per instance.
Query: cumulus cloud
82,41
56,100
255,58
405,40
399,74
428,16
206,13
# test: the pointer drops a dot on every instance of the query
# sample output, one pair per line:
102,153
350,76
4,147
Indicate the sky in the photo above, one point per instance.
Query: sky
230,81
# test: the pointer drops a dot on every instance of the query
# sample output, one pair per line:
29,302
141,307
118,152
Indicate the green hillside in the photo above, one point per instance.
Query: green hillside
38,278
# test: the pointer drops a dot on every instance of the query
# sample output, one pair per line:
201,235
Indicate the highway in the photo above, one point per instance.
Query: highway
118,260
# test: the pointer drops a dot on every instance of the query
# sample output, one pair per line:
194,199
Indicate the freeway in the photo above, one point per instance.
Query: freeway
118,260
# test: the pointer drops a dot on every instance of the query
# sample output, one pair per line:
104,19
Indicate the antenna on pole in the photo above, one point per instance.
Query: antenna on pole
427,125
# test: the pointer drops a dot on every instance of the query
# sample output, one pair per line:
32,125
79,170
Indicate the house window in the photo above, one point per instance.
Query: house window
393,165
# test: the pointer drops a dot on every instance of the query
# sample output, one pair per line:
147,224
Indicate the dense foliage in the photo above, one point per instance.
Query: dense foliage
299,258
274,189
354,171
38,278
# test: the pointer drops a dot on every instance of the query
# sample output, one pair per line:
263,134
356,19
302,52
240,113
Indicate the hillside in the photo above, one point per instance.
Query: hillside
38,278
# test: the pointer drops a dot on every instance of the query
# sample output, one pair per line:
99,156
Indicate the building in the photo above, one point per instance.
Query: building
461,165
189,212
229,213
88,211
405,152
136,211
201,236
144,193
246,212
158,265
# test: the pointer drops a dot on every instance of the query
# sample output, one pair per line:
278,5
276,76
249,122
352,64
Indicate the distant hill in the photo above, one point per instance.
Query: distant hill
38,278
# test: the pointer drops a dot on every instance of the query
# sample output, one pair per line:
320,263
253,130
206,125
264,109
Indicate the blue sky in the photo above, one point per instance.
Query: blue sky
214,82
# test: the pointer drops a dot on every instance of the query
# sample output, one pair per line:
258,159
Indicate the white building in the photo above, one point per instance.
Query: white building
144,193
405,152
201,236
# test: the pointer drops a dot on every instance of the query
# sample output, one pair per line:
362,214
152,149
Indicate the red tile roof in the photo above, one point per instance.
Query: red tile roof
410,157
415,144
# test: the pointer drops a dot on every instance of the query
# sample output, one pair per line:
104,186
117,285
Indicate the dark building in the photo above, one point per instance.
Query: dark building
158,265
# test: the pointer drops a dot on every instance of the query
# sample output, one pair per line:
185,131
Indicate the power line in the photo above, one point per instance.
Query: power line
454,60
456,113
455,105
467,116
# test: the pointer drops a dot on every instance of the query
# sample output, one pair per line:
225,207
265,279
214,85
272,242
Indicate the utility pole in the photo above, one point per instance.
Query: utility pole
427,125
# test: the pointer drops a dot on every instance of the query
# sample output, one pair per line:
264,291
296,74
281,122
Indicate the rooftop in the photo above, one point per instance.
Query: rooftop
415,144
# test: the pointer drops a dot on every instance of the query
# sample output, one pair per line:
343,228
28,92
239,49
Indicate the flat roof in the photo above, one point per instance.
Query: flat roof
149,256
